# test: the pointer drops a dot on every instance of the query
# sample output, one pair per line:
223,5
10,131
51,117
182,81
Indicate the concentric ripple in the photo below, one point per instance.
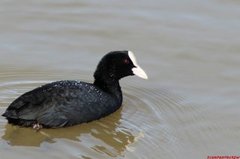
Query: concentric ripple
140,122
142,125
144,110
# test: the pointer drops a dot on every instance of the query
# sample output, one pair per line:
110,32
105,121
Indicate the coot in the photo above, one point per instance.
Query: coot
68,102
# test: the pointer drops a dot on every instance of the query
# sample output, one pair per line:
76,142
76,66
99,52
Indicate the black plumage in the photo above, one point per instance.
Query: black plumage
66,103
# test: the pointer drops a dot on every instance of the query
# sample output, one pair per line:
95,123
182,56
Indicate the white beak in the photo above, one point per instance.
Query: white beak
137,70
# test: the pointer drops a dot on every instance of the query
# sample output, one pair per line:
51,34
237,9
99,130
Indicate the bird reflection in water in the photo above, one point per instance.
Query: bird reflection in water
106,135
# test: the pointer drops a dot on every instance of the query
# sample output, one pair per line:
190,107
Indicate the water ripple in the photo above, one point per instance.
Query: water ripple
148,117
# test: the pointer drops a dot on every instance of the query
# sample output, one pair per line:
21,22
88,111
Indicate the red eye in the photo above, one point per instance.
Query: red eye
126,61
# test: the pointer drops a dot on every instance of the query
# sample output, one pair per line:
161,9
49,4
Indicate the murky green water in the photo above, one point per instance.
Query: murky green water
189,107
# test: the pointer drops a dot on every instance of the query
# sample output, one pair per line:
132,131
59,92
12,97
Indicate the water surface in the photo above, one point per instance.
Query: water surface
189,107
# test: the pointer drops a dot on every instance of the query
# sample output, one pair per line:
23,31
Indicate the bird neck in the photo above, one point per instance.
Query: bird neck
110,86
